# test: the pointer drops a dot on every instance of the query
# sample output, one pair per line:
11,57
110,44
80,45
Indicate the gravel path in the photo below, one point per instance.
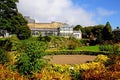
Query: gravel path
70,59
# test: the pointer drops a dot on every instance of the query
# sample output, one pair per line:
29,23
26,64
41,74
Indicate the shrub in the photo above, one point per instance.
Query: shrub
23,32
74,52
12,44
101,58
84,41
4,58
105,47
7,74
2,41
45,38
110,48
30,60
71,45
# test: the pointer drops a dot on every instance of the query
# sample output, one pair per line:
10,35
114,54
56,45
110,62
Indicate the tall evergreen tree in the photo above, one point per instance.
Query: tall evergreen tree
11,20
107,32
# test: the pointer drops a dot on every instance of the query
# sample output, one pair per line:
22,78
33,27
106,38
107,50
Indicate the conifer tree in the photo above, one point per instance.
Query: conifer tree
107,32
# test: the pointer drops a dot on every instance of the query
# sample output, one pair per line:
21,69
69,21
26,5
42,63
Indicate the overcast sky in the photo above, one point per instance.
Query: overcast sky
82,12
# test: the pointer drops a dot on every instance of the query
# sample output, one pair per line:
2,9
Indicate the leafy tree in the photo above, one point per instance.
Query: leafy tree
107,32
97,31
87,31
10,18
77,28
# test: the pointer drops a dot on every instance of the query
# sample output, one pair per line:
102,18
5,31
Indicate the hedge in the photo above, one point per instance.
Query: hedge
75,52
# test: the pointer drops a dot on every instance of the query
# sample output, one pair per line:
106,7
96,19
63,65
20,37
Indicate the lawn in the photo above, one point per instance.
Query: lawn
88,48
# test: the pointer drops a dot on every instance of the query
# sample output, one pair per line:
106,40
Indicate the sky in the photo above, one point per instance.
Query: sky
73,12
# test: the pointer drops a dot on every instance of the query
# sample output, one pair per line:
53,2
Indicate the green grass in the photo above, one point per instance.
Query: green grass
88,48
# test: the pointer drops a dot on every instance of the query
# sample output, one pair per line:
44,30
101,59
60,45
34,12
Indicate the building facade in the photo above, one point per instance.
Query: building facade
52,29
77,34
117,33
66,31
45,29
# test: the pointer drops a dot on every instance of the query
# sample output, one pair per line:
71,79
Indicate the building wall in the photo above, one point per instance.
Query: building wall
66,31
117,33
53,28
46,29
77,34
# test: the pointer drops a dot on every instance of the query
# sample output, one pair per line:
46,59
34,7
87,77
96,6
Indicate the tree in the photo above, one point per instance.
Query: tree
10,18
87,31
97,31
107,32
77,28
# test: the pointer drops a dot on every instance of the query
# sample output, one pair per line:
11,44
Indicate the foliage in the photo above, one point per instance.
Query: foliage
111,71
96,32
113,60
71,45
107,32
77,28
2,41
12,44
45,38
30,59
68,72
105,47
87,31
101,58
84,41
7,74
23,32
4,58
62,43
11,20
75,52
85,71
111,48
57,72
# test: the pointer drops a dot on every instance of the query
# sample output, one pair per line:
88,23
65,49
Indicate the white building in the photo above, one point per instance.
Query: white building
52,29
66,31
77,34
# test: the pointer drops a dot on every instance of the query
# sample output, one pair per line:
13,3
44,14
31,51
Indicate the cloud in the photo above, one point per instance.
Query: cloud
55,10
104,12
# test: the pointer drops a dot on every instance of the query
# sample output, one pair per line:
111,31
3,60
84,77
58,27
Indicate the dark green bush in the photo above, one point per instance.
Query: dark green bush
4,58
45,38
84,41
74,52
12,44
23,32
2,41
